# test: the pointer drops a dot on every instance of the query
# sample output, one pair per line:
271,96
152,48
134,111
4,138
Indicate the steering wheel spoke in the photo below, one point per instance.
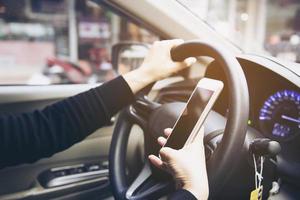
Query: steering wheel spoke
140,111
146,187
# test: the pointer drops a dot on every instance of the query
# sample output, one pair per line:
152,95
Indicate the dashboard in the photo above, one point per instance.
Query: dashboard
274,101
274,104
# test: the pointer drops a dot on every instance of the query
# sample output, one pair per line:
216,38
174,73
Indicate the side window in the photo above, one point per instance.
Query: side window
46,42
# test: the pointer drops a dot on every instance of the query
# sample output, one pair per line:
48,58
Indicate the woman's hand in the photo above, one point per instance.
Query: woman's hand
187,165
156,65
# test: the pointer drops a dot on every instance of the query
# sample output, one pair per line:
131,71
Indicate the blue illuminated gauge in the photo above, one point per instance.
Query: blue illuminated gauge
279,116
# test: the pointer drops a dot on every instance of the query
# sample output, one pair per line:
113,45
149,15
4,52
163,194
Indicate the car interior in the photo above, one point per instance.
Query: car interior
54,49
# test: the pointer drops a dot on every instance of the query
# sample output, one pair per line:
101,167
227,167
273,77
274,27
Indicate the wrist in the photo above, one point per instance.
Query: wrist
146,71
195,189
138,79
147,75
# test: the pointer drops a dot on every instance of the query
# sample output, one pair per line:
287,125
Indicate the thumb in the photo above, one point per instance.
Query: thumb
198,140
197,144
166,153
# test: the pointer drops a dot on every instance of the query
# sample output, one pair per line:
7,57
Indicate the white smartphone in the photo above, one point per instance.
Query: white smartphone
195,112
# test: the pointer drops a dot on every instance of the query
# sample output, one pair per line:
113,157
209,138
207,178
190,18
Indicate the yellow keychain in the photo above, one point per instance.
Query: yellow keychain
256,194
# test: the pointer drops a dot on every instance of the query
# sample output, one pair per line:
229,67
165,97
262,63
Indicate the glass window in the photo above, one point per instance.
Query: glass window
270,27
60,41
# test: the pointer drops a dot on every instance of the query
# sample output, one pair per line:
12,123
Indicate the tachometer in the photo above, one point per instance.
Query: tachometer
279,116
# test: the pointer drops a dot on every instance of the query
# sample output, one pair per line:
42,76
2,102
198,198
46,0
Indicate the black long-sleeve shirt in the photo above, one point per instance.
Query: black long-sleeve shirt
27,137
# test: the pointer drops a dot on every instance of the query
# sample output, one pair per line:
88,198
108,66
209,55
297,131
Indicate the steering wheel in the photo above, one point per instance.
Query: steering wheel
153,117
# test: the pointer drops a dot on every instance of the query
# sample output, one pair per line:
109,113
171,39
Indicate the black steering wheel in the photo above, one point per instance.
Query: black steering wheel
151,184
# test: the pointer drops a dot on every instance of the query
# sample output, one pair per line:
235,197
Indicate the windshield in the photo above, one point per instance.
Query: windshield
257,26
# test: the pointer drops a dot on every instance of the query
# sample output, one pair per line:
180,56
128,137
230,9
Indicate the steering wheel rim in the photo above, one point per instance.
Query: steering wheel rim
221,163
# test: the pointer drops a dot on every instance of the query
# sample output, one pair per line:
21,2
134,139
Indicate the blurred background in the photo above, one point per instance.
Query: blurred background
69,41
270,27
60,41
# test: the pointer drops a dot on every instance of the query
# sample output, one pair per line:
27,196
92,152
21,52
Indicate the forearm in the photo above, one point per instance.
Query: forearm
28,137
31,136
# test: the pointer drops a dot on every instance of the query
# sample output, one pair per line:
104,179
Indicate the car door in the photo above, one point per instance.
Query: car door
53,50
80,170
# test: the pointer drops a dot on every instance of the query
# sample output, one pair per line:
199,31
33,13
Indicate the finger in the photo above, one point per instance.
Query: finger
156,161
168,132
198,143
161,141
190,61
166,153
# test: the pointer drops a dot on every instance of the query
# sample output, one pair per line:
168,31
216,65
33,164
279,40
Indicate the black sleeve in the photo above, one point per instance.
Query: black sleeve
182,194
28,137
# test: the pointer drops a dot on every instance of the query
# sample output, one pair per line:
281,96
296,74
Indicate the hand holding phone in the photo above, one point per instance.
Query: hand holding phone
195,112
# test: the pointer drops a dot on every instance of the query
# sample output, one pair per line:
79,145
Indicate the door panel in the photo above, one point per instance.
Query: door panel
24,181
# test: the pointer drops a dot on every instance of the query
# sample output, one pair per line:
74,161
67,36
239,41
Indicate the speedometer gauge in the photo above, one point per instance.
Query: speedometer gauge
279,116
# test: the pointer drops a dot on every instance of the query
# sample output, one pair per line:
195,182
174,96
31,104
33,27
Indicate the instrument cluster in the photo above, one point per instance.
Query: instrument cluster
279,116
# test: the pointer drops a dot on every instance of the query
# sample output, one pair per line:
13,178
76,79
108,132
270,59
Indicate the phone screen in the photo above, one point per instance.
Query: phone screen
187,121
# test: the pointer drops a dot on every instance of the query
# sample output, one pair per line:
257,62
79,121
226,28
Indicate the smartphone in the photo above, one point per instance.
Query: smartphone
195,112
